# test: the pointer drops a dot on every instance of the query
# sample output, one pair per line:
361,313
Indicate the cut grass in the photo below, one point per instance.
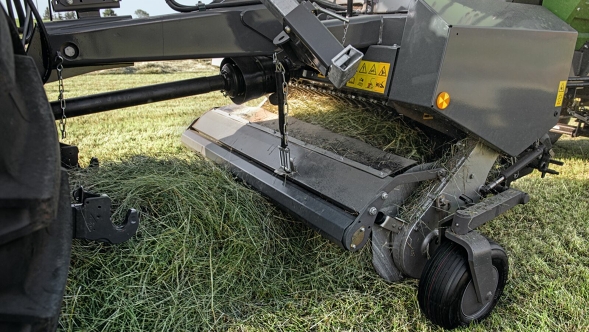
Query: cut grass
211,254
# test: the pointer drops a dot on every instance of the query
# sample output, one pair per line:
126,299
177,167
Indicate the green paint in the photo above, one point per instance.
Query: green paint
575,13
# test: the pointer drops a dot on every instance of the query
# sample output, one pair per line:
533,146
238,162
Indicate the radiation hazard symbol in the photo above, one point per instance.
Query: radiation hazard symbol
371,76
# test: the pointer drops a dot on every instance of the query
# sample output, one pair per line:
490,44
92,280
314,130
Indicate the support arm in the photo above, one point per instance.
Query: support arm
314,43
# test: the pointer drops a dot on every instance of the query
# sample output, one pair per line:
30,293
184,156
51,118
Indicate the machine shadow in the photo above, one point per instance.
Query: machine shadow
200,227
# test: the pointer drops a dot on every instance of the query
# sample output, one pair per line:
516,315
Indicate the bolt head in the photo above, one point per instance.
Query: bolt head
70,51
353,246
372,211
384,196
287,29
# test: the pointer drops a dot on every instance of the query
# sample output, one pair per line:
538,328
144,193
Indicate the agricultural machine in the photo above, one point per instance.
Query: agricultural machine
485,79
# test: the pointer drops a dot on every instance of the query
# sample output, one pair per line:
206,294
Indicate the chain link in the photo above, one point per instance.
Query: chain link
346,25
63,120
285,161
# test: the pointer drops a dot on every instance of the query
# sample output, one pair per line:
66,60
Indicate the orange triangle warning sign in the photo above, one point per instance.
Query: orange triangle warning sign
383,71
372,70
363,69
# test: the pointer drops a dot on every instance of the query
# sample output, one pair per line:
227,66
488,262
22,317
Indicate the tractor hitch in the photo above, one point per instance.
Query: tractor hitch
92,220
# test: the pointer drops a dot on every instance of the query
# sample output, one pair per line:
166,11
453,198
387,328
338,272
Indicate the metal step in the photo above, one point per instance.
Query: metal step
327,190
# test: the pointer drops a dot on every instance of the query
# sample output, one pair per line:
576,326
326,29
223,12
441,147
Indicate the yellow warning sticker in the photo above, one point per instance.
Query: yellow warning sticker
370,76
560,96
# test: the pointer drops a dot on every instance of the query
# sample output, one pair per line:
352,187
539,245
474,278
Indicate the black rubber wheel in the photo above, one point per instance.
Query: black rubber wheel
446,292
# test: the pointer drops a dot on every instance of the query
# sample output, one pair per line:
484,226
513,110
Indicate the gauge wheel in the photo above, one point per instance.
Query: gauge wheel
446,292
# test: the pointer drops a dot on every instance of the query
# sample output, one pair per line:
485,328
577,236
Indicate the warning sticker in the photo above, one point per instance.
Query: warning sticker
370,76
560,96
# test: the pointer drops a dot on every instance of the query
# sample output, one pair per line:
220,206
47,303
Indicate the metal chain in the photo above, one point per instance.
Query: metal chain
285,160
346,25
280,69
63,120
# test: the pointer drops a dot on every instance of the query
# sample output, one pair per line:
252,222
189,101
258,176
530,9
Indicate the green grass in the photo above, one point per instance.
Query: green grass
212,254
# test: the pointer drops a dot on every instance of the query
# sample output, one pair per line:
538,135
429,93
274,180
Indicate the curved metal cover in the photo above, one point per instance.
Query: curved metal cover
502,64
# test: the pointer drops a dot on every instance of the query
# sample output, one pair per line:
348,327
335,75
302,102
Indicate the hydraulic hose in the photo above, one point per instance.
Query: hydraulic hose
188,9
46,46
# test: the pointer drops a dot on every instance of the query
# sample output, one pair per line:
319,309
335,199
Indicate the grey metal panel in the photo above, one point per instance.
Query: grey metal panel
485,13
420,57
362,31
327,218
355,152
501,63
214,33
342,183
393,27
503,83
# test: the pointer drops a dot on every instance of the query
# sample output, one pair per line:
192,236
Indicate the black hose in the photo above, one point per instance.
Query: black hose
19,12
46,46
50,10
188,9
10,10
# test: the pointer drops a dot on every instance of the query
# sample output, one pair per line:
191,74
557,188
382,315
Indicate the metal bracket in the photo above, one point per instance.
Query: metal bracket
359,232
63,5
92,219
476,215
69,156
480,262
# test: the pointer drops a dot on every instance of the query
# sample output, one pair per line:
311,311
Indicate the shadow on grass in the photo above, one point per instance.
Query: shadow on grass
209,253
572,148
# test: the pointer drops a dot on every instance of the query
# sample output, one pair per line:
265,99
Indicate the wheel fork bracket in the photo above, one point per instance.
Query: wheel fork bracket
479,261
476,245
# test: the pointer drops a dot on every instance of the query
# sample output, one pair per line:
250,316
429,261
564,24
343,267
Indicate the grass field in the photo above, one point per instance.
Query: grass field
211,254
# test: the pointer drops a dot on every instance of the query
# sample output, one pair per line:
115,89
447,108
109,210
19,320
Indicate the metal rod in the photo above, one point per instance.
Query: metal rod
138,96
350,8
330,13
577,85
579,78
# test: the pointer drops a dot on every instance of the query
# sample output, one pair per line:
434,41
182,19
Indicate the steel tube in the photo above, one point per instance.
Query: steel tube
579,78
137,96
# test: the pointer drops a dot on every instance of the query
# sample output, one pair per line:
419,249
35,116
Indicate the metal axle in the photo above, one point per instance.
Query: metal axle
138,96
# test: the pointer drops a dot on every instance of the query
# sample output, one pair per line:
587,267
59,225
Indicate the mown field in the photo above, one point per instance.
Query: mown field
212,254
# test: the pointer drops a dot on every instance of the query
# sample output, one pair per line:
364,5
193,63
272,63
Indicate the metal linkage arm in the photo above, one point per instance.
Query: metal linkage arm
314,43
474,216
